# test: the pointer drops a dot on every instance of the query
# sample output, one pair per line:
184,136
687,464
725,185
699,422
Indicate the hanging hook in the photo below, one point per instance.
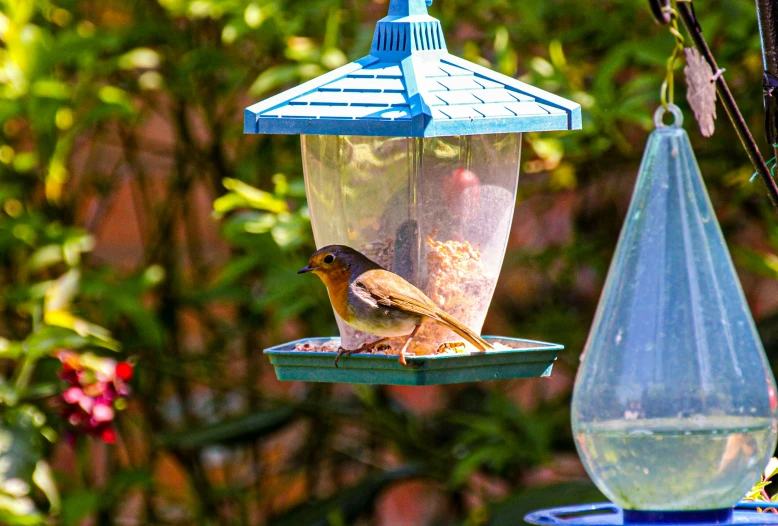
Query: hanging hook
660,113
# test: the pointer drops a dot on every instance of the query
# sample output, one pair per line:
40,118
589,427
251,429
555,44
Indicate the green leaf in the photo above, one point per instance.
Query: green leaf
237,269
17,512
297,188
272,78
762,263
25,161
244,429
142,57
262,224
290,231
62,291
117,98
76,245
51,88
251,197
10,349
48,339
76,506
470,464
45,257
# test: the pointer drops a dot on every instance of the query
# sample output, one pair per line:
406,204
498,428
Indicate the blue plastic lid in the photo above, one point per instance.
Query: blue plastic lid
410,86
607,514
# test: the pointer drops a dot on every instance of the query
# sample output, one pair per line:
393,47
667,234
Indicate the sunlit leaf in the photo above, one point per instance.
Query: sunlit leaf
62,291
50,88
44,479
141,58
244,195
117,97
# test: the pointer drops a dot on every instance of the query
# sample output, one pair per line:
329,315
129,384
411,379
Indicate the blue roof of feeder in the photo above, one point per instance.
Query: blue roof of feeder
410,86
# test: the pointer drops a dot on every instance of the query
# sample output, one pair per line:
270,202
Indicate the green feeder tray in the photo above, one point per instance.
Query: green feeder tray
525,359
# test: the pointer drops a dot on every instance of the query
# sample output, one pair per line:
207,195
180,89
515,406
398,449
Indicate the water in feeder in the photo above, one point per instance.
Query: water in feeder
674,405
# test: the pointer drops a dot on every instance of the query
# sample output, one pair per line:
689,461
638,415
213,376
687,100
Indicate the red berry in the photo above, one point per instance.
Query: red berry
108,435
124,371
462,194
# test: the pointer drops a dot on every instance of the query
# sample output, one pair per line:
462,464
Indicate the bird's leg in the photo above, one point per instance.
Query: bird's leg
362,348
405,346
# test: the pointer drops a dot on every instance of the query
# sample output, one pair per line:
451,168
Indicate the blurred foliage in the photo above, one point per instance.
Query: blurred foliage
121,122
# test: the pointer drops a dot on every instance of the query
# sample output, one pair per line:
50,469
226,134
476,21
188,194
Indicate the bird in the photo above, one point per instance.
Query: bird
377,301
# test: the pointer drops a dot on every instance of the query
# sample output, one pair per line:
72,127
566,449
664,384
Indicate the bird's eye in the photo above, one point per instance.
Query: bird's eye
329,258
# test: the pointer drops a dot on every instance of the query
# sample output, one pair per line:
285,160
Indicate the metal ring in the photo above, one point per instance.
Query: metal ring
661,11
660,112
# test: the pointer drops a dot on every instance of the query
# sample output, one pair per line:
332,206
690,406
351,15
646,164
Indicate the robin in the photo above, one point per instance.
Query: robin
374,300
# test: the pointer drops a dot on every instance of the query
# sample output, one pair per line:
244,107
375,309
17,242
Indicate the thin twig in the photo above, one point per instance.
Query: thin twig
686,11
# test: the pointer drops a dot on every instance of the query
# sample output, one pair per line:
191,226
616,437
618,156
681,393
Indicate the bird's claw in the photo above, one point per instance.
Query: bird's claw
348,352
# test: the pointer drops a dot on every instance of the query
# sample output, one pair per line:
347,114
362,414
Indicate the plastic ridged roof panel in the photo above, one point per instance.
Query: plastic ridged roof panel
410,86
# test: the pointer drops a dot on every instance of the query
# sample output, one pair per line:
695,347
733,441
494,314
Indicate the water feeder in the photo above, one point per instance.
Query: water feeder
411,156
674,406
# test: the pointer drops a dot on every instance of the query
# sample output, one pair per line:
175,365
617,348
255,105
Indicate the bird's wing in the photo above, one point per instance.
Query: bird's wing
390,290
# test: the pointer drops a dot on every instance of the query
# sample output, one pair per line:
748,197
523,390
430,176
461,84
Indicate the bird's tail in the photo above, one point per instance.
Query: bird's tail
458,327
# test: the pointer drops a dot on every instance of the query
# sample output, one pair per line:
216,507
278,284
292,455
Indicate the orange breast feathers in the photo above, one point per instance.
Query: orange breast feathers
337,283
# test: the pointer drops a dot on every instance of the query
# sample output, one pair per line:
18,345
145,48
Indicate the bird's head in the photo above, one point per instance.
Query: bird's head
336,261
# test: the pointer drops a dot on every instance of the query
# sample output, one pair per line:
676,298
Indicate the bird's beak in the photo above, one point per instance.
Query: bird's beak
305,269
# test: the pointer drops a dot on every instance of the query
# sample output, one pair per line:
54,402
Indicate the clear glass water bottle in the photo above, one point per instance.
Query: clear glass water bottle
674,404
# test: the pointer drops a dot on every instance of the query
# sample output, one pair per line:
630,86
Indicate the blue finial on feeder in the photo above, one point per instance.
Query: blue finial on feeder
410,86
403,8
406,30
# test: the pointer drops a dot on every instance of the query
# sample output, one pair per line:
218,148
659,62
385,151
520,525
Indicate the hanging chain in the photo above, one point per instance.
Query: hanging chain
667,95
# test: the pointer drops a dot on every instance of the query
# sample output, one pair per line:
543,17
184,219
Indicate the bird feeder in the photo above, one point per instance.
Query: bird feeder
411,156
674,405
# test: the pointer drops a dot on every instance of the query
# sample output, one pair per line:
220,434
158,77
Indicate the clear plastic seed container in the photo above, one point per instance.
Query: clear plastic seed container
674,404
436,211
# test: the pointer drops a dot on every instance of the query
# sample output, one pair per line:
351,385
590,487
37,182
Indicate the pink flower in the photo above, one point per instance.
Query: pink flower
86,403
72,395
97,388
102,413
